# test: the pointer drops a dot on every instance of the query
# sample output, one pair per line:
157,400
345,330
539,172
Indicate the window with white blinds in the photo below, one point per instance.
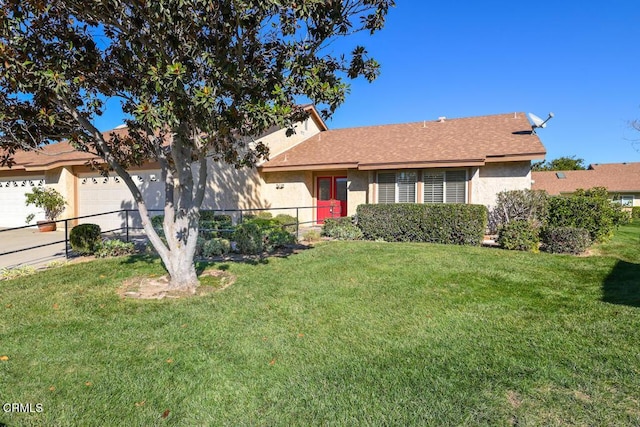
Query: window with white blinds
456,187
445,187
397,187
386,187
433,187
407,186
438,186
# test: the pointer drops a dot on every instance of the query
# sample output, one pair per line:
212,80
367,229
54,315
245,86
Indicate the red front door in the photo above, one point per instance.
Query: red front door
332,197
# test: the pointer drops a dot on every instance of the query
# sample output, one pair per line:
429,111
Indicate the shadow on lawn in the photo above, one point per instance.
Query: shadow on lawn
622,285
222,263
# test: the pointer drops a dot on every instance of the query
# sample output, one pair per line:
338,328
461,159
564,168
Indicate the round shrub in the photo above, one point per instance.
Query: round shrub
566,240
519,236
85,238
248,238
216,247
277,238
341,229
287,221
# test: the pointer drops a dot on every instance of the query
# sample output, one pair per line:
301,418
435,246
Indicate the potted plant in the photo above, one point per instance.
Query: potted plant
51,201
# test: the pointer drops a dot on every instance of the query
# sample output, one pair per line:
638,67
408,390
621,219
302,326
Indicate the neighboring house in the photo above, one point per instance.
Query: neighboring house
622,181
327,172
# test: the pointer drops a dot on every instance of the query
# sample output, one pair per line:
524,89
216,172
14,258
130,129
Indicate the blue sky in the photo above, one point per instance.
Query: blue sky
578,59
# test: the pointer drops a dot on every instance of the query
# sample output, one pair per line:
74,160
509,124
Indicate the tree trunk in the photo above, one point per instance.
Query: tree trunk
182,273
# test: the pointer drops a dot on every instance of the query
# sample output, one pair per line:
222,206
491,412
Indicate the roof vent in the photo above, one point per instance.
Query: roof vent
441,119
561,175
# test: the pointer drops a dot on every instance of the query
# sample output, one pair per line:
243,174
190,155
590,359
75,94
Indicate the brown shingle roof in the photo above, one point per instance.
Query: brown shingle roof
615,177
55,155
452,142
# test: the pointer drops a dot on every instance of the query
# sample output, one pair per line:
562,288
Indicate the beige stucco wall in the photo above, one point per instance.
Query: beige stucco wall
278,141
289,189
63,180
358,190
489,180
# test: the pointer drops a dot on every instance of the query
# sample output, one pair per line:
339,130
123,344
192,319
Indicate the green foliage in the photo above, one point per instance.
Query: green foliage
211,225
519,235
262,233
311,236
248,238
287,221
48,199
276,238
591,210
114,248
438,223
560,164
156,222
216,247
565,240
341,229
85,239
518,205
635,212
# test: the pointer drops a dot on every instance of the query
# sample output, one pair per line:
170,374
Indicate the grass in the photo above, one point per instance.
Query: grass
346,333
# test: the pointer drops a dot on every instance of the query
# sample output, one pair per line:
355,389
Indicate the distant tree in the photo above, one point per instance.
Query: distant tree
197,79
560,164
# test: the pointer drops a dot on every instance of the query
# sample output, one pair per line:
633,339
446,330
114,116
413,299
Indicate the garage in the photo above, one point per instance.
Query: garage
13,210
98,194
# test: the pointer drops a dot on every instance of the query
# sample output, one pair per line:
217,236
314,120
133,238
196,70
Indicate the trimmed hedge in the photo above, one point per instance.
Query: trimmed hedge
519,235
566,240
635,212
589,209
85,238
436,223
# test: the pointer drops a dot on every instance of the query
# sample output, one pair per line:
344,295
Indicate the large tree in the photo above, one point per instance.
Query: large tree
560,164
196,78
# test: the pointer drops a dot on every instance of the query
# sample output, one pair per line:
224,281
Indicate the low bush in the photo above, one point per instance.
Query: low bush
85,238
287,221
341,229
519,235
114,248
216,247
518,205
248,238
276,238
565,240
311,236
436,223
635,212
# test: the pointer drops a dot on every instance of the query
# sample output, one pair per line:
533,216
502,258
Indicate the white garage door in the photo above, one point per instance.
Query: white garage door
13,210
97,194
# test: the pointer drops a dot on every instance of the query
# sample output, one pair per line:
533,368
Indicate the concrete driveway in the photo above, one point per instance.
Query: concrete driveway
13,240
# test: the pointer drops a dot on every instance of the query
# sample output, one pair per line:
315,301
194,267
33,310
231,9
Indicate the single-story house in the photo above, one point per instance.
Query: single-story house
622,181
324,172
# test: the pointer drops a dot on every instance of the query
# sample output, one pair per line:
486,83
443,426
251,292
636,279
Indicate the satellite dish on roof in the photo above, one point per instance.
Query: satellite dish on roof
538,122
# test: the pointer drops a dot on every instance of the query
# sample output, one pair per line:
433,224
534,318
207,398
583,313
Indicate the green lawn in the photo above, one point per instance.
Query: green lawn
346,333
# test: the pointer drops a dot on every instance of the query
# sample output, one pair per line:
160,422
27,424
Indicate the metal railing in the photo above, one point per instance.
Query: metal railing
126,227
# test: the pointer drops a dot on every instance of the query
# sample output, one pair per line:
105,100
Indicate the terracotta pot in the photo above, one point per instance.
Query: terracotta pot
45,226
